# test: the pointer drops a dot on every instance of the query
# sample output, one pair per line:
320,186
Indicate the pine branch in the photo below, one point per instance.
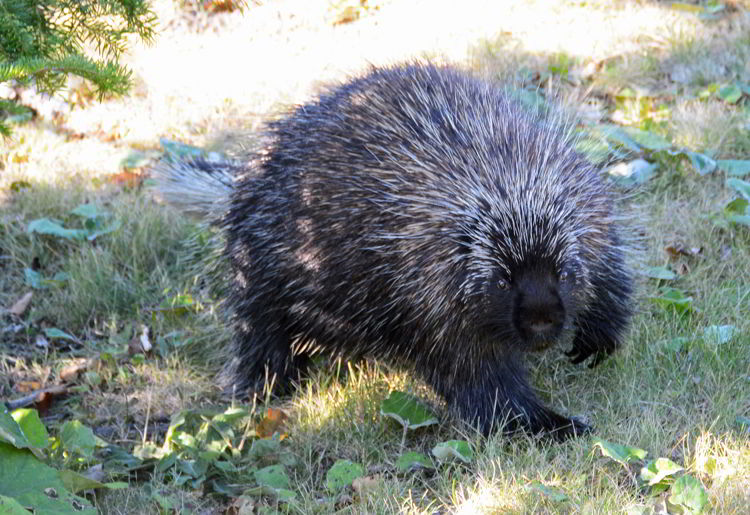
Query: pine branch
43,41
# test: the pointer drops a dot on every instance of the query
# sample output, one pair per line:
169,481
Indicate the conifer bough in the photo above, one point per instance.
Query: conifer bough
43,41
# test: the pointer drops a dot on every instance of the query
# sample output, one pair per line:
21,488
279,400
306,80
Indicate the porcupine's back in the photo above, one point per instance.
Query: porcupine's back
379,217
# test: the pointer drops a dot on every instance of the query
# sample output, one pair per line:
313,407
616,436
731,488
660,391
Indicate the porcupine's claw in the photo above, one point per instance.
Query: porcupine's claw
578,356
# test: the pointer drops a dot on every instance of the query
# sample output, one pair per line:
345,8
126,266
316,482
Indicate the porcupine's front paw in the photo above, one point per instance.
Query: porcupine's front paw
599,339
581,351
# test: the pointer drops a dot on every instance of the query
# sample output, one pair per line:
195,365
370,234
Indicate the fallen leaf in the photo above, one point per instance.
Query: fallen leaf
678,249
21,304
126,179
243,505
363,485
70,373
140,344
272,423
27,386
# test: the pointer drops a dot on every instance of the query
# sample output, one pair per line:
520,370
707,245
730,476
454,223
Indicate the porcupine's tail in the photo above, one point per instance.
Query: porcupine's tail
196,185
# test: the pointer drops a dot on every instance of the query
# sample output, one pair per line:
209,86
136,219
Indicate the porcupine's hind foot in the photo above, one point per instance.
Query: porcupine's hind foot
261,362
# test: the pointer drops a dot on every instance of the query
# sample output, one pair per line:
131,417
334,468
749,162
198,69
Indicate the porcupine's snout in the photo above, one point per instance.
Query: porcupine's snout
539,313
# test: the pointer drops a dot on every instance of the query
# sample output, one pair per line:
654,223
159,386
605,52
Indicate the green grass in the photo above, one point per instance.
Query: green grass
679,402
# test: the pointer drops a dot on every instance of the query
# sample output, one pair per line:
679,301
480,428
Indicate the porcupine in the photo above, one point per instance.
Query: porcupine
427,218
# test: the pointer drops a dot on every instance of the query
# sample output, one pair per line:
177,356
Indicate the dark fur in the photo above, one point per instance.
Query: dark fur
379,220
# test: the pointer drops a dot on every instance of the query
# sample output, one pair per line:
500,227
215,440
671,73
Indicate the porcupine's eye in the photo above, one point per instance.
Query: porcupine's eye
503,284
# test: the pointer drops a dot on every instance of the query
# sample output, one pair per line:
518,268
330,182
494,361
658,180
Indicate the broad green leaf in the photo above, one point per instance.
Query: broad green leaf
622,454
11,432
54,332
675,299
740,219
9,506
194,468
676,344
738,206
282,494
688,493
531,98
701,162
119,460
453,449
264,447
735,167
659,469
148,451
552,493
35,485
710,90
661,272
342,474
413,460
743,187
174,150
38,281
273,476
633,173
32,427
405,409
136,159
646,139
32,278
730,93
596,150
76,482
47,226
616,134
78,438
106,230
86,211
18,186
718,334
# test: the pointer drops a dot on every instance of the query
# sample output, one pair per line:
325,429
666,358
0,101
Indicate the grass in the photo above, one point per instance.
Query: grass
678,400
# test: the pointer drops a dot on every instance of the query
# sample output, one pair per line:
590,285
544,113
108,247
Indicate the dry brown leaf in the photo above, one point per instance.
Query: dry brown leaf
678,249
127,179
242,505
70,373
364,485
140,344
27,386
272,423
21,304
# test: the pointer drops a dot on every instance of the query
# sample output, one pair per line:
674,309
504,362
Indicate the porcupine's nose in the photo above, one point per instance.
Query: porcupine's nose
539,312
541,322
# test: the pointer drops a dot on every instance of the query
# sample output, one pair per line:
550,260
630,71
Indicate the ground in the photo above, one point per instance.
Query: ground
679,389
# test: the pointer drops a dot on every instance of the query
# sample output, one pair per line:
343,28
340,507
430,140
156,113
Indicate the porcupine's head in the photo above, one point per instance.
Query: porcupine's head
534,236
537,295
